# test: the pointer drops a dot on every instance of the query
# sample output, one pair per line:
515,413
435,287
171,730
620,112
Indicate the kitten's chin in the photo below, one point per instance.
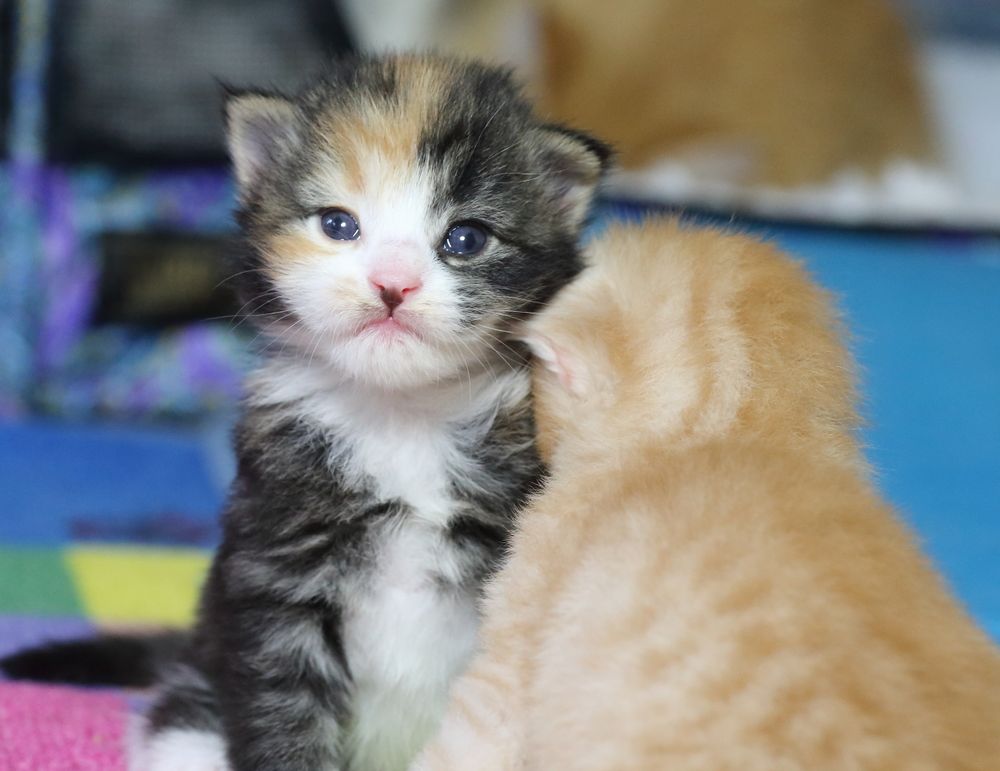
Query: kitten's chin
394,359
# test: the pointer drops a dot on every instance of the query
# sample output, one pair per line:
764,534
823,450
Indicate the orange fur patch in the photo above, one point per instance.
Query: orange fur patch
386,134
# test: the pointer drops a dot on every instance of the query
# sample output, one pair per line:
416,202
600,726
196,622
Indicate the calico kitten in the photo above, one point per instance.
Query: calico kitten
709,580
398,216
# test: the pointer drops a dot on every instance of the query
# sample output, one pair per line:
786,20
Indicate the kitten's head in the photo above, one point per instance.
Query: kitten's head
677,336
403,212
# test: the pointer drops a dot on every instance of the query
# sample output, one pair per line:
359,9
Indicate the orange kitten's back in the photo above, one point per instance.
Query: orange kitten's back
710,581
740,607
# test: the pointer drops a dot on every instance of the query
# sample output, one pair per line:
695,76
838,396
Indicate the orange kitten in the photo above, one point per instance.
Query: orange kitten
710,580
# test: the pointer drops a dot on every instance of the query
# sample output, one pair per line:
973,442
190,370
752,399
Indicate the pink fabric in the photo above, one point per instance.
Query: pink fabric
44,728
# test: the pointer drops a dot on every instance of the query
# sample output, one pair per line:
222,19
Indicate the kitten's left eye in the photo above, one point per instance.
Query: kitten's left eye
339,224
465,239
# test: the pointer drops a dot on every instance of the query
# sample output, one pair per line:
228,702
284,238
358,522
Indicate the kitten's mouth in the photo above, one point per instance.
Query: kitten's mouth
390,326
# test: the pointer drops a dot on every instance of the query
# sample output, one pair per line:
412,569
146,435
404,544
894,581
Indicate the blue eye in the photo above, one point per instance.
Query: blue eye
339,225
465,239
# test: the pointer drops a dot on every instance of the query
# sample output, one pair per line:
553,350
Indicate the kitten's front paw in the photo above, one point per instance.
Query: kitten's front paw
422,763
178,749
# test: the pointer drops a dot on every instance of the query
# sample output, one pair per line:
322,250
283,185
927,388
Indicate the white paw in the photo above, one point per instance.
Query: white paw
420,764
177,749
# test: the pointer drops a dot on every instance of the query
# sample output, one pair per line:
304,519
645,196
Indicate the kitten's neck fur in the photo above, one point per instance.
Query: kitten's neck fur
315,388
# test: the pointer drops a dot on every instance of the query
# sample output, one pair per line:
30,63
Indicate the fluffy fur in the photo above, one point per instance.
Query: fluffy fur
180,749
709,580
120,660
383,447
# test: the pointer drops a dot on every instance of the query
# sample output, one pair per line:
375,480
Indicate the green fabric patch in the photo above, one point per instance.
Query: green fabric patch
36,581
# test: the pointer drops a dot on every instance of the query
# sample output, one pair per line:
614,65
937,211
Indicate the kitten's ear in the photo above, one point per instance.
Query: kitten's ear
557,361
575,163
262,130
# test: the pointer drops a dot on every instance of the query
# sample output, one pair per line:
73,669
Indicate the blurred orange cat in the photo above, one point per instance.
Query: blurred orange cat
785,92
710,580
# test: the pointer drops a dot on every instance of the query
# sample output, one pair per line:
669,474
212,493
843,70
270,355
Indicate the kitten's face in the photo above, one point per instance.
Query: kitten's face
403,214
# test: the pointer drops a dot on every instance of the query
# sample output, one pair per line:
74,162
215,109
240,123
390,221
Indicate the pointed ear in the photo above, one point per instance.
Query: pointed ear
559,362
574,163
262,130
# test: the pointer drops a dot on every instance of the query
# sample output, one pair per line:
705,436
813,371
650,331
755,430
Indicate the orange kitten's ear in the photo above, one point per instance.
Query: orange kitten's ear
574,164
558,362
262,130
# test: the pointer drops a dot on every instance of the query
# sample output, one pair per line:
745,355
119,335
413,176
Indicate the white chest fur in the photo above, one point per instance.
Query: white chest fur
407,445
406,638
406,633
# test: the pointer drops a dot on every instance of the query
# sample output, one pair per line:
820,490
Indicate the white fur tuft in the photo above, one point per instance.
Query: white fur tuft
179,749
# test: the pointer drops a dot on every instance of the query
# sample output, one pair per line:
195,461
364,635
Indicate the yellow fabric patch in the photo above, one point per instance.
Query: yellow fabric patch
124,584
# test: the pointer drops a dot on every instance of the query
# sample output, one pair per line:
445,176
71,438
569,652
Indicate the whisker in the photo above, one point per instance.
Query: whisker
235,275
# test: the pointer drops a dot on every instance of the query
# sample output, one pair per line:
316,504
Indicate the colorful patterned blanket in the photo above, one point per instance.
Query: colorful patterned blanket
48,594
102,527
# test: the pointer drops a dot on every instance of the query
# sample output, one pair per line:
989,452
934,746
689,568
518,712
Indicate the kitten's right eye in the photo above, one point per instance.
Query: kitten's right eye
339,225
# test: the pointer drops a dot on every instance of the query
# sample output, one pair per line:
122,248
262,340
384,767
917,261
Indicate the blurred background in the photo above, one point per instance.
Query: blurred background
862,135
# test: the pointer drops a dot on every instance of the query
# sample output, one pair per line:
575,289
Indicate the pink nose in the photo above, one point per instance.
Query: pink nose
393,288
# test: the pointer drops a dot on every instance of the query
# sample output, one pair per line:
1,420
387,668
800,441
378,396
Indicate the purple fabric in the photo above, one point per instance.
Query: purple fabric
18,632
68,279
